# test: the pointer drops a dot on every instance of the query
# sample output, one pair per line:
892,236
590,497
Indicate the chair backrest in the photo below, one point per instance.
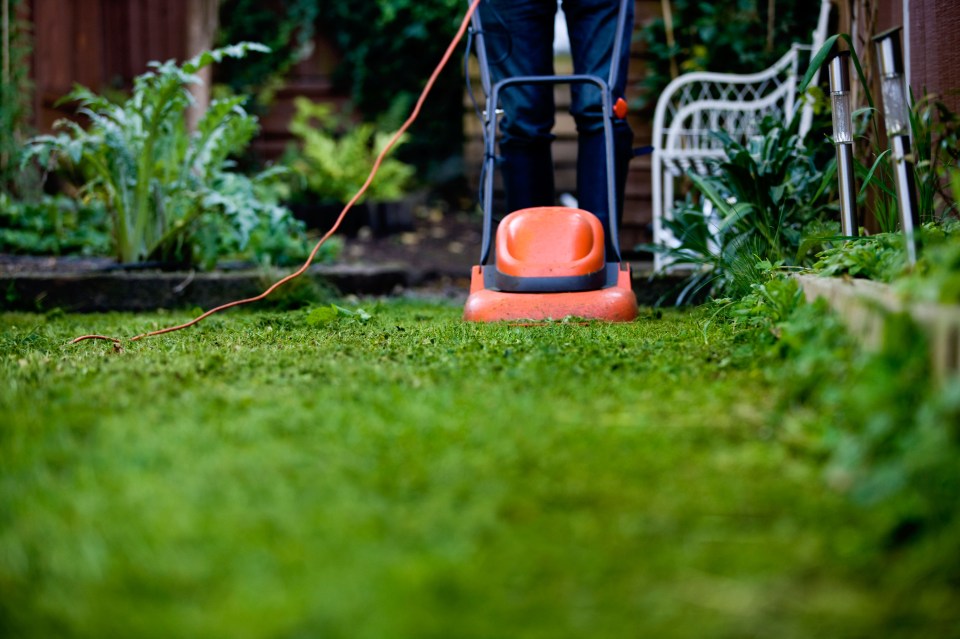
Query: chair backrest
696,103
734,105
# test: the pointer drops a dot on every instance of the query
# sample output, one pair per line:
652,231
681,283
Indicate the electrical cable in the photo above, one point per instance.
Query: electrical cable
476,107
336,225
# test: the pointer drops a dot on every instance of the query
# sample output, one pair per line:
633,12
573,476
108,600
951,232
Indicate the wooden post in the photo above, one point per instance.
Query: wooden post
202,19
7,92
6,42
671,40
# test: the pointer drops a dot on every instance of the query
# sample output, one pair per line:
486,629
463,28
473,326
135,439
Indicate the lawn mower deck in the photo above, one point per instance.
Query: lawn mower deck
550,265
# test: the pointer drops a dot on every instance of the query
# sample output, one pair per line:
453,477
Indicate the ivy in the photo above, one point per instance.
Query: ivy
15,93
387,50
730,36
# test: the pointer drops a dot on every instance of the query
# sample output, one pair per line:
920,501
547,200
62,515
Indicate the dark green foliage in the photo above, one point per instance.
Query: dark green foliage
765,197
53,225
285,27
389,48
16,93
729,36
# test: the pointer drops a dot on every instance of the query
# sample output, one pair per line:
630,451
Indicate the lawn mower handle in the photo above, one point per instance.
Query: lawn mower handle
490,137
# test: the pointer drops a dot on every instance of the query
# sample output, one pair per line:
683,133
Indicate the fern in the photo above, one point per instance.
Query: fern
335,165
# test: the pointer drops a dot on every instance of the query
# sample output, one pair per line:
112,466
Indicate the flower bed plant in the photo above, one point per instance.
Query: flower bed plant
767,201
173,195
882,418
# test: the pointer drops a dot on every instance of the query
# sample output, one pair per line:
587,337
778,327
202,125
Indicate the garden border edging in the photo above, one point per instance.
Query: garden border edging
99,291
864,304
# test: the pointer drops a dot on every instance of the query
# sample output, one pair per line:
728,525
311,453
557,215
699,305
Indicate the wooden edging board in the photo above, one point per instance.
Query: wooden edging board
100,291
863,305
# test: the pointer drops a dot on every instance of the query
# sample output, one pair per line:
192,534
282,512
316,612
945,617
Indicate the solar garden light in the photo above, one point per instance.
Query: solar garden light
843,140
896,113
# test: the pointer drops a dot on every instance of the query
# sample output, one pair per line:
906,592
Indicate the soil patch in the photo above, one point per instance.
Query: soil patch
430,260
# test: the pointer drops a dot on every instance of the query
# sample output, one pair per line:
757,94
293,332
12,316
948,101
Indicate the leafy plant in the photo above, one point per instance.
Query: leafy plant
877,257
53,225
171,193
336,157
755,206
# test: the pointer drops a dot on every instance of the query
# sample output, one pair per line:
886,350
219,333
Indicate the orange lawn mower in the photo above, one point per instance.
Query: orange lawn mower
550,262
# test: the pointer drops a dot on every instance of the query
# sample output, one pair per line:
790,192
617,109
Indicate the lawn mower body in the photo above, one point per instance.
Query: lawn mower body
550,262
550,265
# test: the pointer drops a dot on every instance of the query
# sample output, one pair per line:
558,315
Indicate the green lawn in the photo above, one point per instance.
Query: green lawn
415,476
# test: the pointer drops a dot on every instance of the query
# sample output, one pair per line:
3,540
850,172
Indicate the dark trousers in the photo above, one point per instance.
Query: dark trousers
519,39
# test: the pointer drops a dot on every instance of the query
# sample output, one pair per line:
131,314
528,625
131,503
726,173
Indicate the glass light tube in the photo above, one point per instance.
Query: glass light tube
843,140
897,119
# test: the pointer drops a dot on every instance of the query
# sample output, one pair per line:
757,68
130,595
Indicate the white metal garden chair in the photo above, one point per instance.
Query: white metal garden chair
695,105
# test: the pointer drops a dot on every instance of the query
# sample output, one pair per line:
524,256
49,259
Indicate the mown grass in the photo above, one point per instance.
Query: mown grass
415,476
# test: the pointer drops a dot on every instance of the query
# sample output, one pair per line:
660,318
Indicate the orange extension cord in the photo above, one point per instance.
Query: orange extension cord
336,225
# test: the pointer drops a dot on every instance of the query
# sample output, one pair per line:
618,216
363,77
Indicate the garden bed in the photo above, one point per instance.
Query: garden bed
434,257
94,290
864,306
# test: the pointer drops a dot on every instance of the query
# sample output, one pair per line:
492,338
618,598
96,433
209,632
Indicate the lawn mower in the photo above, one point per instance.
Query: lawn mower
549,262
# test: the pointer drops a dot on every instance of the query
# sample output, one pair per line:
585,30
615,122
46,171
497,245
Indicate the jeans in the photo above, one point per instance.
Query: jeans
519,41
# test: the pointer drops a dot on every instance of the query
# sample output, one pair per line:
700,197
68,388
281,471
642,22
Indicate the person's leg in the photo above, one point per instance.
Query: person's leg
519,39
592,26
